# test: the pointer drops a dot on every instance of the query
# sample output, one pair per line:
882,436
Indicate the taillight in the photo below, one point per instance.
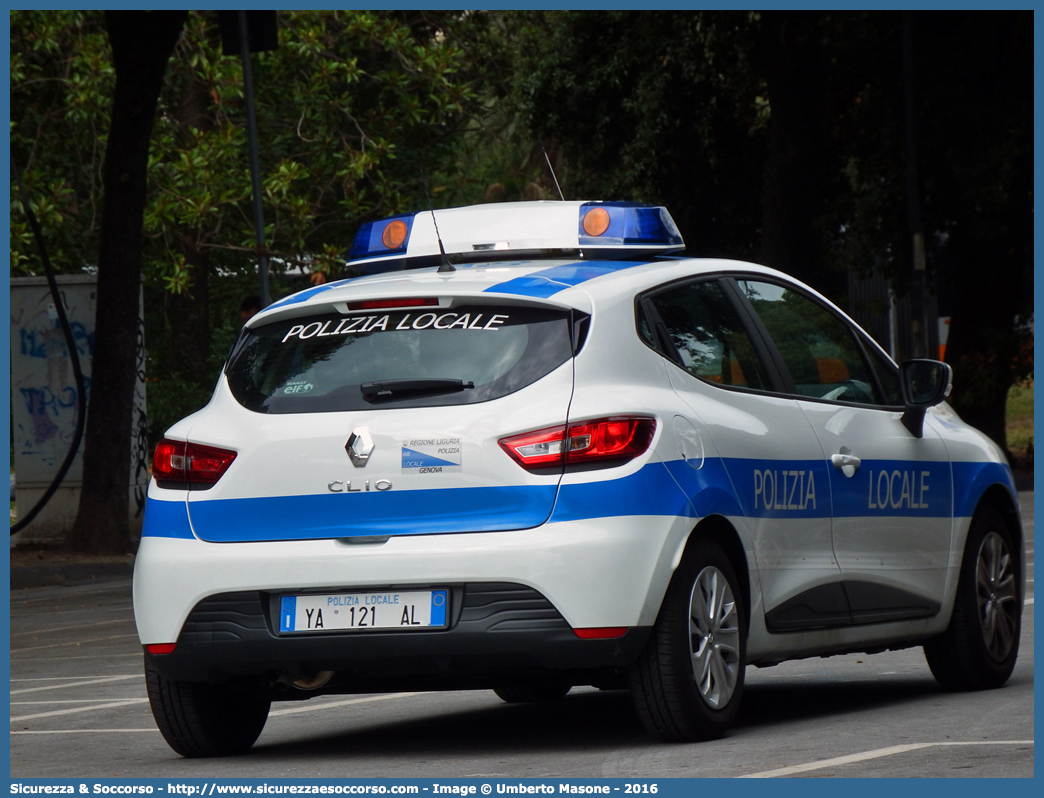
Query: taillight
177,461
617,438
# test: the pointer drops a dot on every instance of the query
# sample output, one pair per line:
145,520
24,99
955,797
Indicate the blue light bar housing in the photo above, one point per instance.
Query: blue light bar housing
630,224
369,242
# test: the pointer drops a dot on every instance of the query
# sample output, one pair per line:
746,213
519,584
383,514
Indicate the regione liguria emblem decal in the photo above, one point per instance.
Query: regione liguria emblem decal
359,447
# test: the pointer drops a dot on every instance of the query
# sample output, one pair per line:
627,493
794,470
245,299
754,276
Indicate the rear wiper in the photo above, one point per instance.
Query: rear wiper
388,388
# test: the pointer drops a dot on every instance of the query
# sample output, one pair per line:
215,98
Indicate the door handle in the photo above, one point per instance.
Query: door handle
848,463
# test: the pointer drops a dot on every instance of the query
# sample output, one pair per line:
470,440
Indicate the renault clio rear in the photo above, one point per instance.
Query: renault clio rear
532,450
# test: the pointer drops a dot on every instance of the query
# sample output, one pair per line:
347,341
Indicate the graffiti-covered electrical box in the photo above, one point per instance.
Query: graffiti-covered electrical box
44,402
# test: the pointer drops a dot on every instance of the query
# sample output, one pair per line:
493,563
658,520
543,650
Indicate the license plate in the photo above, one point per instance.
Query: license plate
361,612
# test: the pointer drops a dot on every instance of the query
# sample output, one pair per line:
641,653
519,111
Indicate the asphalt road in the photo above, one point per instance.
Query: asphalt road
78,709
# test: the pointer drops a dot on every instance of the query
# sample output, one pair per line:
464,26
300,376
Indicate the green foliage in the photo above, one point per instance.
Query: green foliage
61,84
354,109
1020,422
347,108
653,106
364,114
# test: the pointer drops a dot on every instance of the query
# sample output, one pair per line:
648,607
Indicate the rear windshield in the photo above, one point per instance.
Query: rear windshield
406,358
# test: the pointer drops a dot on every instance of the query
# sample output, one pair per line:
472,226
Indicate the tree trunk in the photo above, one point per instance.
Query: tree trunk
141,42
189,313
795,182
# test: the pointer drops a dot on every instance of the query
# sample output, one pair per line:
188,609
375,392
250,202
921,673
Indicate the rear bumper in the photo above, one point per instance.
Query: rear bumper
604,572
497,632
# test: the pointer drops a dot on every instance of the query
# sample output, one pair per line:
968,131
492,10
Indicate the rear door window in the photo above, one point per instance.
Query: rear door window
706,334
406,358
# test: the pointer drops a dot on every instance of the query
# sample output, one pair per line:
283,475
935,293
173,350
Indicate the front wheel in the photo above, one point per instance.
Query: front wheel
688,682
979,649
203,720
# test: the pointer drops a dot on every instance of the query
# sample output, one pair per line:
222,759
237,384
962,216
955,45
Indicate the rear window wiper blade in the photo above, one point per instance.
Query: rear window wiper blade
386,389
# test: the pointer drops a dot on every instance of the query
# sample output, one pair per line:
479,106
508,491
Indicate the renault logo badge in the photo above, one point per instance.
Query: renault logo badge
359,446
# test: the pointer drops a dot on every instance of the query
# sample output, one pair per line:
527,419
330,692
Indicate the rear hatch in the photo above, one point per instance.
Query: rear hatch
382,417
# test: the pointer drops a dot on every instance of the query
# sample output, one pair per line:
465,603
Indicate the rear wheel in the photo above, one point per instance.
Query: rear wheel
203,720
688,682
528,692
979,649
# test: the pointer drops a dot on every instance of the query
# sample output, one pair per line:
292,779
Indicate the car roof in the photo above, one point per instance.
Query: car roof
562,282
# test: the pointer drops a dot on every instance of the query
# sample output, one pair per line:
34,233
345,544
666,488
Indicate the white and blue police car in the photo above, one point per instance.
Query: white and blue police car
528,449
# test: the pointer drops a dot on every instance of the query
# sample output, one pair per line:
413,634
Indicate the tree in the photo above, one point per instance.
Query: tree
799,148
359,112
657,106
976,111
706,112
974,129
141,45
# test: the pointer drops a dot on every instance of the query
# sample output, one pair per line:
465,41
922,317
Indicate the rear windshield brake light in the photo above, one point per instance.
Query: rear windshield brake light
380,304
178,461
617,438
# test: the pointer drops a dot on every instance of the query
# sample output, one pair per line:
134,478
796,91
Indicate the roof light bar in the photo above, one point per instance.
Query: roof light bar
544,229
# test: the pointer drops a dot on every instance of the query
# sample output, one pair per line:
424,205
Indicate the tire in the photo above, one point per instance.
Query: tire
204,720
979,649
529,692
688,683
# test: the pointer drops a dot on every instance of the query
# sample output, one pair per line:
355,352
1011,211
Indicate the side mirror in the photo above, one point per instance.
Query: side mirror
925,383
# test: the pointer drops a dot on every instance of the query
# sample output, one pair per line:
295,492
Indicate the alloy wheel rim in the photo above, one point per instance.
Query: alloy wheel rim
996,596
714,637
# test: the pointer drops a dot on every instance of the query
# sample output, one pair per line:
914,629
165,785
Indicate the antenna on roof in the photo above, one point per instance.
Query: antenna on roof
551,169
446,265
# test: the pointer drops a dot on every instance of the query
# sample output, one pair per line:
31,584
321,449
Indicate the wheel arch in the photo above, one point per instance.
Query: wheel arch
720,530
999,498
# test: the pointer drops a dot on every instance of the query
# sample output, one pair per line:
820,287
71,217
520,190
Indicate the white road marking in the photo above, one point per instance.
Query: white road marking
71,643
135,654
99,680
53,712
70,701
86,731
317,707
875,754
1028,601
121,703
77,626
61,678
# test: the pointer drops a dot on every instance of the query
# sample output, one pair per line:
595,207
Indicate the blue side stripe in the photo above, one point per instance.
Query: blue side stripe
970,481
708,488
649,491
164,519
763,488
343,515
548,282
895,488
815,489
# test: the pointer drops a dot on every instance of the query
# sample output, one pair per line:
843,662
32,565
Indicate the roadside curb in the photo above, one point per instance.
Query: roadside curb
67,574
